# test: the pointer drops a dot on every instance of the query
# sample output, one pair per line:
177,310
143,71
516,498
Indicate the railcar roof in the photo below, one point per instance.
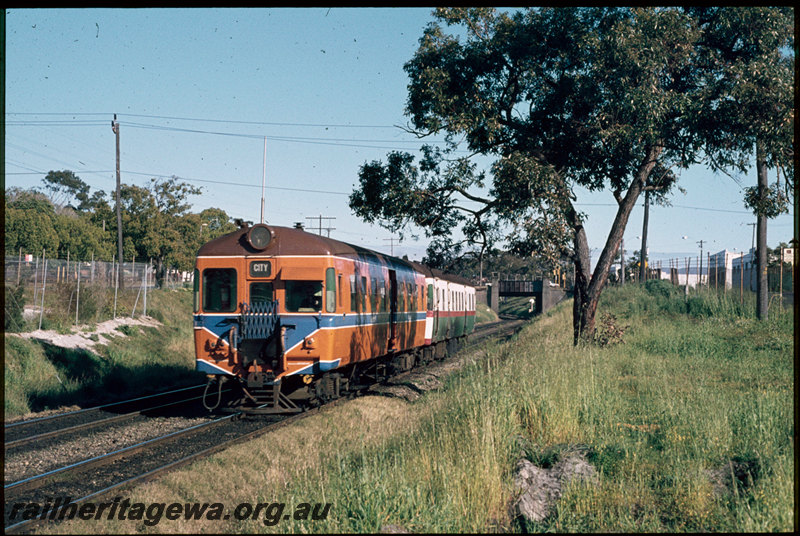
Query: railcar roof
291,241
435,272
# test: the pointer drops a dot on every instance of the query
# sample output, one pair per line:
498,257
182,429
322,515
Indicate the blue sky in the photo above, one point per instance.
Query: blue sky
196,91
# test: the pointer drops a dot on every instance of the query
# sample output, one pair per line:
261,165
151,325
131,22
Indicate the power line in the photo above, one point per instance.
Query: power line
206,120
320,218
192,179
337,142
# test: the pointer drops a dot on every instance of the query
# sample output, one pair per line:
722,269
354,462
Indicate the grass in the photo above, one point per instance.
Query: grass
685,396
516,306
39,376
484,314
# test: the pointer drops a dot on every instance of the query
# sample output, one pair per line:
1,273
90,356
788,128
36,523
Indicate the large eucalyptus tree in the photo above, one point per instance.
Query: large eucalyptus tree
561,98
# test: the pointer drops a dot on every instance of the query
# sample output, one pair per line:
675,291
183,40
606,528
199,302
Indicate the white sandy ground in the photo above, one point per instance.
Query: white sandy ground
81,336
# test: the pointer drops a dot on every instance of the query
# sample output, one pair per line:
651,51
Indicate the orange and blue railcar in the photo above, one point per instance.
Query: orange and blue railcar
295,318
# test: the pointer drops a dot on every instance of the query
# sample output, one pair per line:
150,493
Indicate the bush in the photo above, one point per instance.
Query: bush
92,299
15,306
660,287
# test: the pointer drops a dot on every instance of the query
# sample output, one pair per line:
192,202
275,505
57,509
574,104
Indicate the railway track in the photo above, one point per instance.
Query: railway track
23,432
103,475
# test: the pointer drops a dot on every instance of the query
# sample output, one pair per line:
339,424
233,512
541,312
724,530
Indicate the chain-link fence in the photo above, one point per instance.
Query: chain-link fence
724,272
44,293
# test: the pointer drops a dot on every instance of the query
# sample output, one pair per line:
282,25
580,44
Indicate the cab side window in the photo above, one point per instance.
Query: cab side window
303,296
219,290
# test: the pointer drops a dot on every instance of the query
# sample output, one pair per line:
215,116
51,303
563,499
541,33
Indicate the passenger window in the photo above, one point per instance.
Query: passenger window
363,293
373,294
303,296
219,290
353,293
261,293
330,290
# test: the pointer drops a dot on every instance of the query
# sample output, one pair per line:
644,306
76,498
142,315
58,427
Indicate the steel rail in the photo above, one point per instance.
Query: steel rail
95,408
92,424
150,475
38,480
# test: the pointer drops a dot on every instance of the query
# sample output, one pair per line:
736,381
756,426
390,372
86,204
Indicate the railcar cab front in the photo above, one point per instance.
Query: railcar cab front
238,301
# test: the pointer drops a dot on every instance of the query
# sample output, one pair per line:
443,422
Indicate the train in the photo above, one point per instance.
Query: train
286,319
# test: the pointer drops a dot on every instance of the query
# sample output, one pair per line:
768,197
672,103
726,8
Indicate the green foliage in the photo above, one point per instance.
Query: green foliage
65,187
215,223
659,417
774,203
14,308
31,229
158,225
29,200
484,314
79,237
601,98
660,287
42,376
748,89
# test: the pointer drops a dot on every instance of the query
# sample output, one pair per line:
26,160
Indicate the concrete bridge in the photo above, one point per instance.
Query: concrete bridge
545,293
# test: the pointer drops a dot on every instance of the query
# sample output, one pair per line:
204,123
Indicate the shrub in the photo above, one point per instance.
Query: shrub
15,306
660,287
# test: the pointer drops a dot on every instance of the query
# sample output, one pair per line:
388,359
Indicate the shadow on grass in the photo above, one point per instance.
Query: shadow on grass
516,307
88,380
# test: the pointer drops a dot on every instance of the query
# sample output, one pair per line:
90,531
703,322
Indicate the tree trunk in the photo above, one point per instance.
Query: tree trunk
762,300
160,272
588,288
581,322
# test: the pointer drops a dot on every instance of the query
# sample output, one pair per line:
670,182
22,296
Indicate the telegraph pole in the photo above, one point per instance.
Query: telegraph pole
320,218
700,275
391,241
115,129
753,242
643,253
762,287
622,261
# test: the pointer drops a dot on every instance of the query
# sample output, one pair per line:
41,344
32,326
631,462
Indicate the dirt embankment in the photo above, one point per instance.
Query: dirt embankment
85,337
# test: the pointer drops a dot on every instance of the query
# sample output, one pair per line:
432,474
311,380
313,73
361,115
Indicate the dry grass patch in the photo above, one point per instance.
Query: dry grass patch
262,469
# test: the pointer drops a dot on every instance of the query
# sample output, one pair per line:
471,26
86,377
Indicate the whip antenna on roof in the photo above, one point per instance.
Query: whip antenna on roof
263,179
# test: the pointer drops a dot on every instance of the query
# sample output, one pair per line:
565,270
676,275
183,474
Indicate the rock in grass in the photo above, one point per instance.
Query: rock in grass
393,529
574,466
540,488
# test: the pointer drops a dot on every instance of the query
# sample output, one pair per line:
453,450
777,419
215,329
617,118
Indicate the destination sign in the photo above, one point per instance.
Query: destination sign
260,269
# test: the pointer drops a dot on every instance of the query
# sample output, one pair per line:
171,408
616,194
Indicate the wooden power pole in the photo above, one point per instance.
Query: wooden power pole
115,128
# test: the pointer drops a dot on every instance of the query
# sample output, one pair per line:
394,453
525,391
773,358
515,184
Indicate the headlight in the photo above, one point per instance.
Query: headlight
259,236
